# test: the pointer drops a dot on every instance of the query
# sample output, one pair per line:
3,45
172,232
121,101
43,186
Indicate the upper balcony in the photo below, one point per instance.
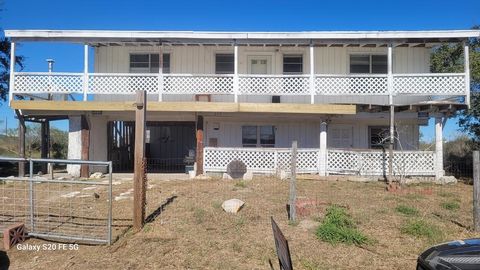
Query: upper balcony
373,68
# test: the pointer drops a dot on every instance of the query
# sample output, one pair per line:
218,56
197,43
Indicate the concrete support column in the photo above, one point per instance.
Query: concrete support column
74,144
439,172
323,149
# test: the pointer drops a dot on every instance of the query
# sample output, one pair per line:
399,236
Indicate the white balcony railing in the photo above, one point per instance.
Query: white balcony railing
339,161
452,84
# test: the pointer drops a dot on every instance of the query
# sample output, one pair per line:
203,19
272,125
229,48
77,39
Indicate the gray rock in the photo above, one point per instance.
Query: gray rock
226,176
97,175
236,169
445,180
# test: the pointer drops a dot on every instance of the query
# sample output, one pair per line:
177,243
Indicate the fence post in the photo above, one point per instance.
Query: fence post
476,190
32,208
293,182
139,163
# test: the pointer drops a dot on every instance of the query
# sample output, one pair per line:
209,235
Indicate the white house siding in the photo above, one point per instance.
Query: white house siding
201,60
306,130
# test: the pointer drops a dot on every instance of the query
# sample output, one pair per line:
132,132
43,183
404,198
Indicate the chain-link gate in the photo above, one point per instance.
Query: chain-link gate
65,208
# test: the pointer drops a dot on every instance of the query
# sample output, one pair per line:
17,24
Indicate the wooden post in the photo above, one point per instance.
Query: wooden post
312,73
466,51
199,154
293,182
139,189
85,152
323,149
21,143
85,72
44,143
236,83
439,172
476,190
11,86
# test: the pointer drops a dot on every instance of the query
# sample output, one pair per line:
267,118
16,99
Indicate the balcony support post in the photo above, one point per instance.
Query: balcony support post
160,73
312,73
85,72
12,73
323,149
235,72
439,172
391,141
466,51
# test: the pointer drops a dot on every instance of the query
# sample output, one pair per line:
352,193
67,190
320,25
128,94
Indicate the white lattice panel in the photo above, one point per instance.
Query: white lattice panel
198,84
351,85
260,160
48,83
376,162
452,84
274,85
122,83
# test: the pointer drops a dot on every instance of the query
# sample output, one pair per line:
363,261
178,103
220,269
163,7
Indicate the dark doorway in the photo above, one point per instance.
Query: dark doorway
170,146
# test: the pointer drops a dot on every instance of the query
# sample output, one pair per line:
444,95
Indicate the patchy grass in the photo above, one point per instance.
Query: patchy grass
422,229
407,210
241,184
339,227
450,205
199,215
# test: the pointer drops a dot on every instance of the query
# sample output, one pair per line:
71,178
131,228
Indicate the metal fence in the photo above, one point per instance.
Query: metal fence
69,209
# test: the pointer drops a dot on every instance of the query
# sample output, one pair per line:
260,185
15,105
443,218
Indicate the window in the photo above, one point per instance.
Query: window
292,64
148,63
379,137
258,136
224,64
376,64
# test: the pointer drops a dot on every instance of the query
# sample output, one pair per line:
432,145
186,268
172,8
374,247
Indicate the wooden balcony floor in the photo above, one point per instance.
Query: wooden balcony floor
76,106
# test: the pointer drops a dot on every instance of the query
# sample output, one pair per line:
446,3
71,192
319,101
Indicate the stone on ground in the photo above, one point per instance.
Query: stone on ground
445,180
97,175
232,205
236,169
248,176
226,176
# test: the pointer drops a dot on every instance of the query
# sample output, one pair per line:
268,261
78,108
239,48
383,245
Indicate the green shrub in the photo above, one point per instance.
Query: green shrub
451,205
241,184
407,210
422,229
339,227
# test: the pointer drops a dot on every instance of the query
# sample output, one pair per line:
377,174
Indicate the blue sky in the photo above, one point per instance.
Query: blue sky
222,15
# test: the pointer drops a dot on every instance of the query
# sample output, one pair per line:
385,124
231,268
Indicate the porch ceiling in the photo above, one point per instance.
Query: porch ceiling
73,107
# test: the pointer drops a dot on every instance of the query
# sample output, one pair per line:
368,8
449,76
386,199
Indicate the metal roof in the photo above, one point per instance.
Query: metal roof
316,37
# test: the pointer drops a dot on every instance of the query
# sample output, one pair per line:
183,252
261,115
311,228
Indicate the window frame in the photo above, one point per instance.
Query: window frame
370,66
287,55
140,71
224,54
258,135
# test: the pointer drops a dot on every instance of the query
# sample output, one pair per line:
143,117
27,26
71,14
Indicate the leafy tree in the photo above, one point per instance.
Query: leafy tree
450,58
5,49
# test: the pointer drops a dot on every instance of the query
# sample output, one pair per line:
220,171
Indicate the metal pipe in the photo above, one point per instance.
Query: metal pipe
110,197
30,177
67,237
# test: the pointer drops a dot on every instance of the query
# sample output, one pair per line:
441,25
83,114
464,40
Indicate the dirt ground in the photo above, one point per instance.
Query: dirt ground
188,229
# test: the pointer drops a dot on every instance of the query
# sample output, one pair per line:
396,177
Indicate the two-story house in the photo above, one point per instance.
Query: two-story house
250,94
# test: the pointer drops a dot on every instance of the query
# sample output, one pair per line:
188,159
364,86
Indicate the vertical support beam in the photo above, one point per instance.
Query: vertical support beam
476,190
160,73
323,149
439,172
199,154
391,143
139,189
466,51
235,72
312,73
11,86
392,111
85,72
44,143
21,143
293,183
85,152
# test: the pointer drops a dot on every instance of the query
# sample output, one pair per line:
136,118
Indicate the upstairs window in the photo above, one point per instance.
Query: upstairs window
224,64
148,63
292,64
258,136
368,64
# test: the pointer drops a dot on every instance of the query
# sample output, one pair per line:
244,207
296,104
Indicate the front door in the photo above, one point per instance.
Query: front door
259,64
340,136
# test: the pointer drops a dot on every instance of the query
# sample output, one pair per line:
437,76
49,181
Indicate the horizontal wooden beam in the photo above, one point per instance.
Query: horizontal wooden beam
72,106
